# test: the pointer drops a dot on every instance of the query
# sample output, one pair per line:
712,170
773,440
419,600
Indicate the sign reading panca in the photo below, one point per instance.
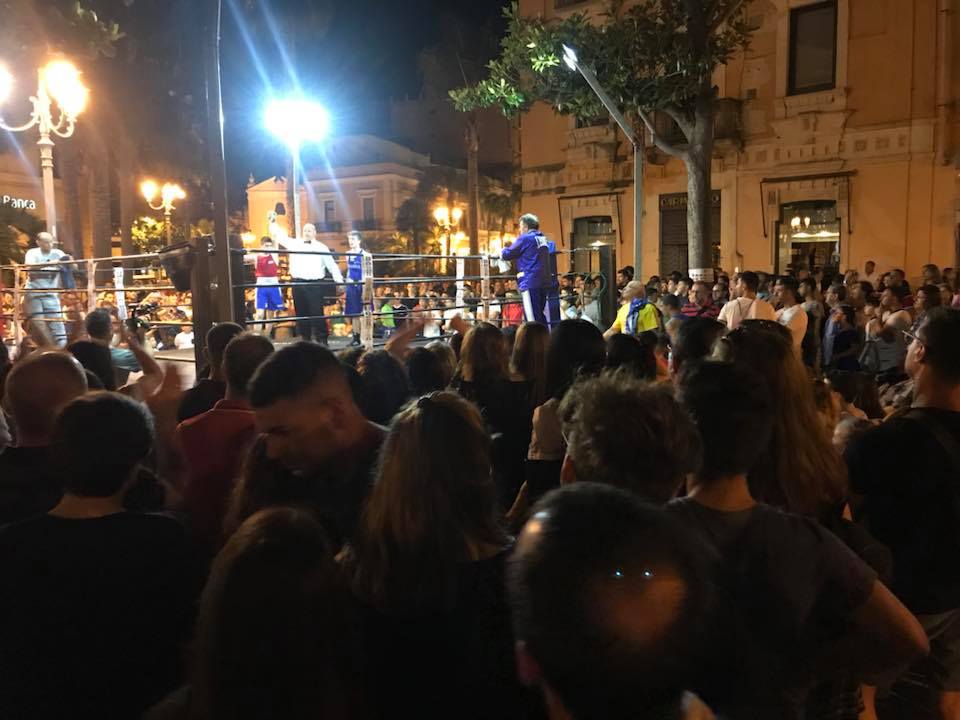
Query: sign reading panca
20,203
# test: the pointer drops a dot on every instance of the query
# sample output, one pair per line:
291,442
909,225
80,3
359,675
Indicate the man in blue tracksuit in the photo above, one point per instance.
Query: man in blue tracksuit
531,254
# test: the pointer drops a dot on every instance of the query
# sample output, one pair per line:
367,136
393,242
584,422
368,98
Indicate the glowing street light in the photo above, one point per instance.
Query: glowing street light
571,61
296,121
58,83
168,194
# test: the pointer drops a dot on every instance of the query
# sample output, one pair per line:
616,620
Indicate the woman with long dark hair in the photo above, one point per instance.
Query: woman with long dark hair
576,349
428,566
485,379
800,471
272,640
529,359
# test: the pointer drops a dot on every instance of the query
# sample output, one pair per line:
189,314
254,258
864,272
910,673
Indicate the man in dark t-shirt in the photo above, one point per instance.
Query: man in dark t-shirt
798,593
209,390
95,602
36,389
908,474
303,405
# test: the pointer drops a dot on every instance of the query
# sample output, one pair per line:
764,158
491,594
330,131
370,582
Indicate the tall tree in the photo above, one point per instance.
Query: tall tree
652,55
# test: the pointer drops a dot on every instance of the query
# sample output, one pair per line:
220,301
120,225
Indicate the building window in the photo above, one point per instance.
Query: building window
329,211
813,48
369,213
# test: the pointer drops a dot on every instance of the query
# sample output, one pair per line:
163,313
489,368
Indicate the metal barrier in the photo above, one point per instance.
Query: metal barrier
91,291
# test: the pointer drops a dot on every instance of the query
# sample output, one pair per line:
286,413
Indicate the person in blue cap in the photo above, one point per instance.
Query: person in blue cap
531,254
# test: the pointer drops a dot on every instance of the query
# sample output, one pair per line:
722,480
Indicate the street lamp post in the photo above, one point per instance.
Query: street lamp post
58,82
570,58
447,219
297,121
169,193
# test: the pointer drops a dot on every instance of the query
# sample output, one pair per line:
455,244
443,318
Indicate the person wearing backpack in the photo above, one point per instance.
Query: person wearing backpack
907,473
637,314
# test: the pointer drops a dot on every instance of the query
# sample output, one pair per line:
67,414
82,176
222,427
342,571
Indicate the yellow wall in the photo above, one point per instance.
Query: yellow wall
903,204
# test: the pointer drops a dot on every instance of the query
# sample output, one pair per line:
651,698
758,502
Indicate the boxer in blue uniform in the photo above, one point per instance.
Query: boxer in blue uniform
531,254
353,306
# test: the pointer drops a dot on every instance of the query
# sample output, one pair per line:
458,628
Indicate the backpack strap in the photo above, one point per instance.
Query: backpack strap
944,437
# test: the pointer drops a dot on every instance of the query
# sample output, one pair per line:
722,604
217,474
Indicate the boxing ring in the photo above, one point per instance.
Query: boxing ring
143,292
478,305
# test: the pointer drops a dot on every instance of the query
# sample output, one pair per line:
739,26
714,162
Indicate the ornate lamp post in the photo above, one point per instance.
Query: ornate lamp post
58,82
169,193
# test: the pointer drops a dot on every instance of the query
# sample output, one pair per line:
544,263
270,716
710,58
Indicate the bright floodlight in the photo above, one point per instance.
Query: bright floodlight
296,121
62,80
6,84
570,57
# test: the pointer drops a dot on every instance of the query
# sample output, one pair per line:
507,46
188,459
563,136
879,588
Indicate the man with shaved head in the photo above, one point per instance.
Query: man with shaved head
36,389
609,604
42,300
304,408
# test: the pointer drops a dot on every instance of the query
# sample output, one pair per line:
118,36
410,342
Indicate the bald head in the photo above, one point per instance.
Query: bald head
45,241
37,388
633,290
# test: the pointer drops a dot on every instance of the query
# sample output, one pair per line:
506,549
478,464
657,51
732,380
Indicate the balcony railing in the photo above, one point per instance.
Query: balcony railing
331,226
366,224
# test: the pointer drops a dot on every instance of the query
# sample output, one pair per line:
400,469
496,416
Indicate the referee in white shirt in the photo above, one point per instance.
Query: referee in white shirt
309,300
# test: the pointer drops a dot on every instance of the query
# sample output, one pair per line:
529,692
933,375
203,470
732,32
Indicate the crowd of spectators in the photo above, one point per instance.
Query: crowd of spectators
705,511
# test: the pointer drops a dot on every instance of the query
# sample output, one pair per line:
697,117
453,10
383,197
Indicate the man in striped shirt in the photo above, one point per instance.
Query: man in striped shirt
700,302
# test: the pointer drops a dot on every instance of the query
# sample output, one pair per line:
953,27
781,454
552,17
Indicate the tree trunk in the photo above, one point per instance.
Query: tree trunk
698,162
70,164
473,184
100,211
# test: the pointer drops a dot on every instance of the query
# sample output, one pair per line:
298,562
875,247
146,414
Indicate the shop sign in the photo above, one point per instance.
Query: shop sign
20,203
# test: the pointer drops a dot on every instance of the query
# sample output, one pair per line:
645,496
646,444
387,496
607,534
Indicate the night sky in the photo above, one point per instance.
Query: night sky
352,55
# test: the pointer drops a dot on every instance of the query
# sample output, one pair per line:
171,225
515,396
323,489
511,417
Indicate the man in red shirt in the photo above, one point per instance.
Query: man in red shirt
214,443
700,302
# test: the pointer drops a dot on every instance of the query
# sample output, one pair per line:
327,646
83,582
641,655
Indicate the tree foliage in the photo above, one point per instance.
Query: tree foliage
651,55
17,226
67,26
655,54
